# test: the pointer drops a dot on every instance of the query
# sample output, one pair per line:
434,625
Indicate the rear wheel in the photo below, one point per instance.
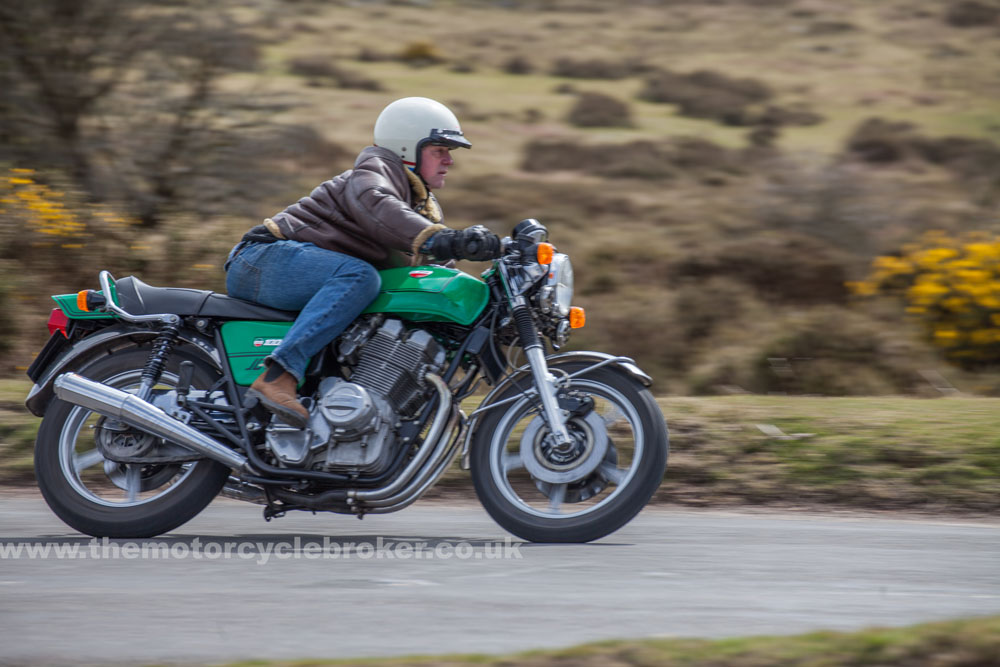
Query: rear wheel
579,491
103,498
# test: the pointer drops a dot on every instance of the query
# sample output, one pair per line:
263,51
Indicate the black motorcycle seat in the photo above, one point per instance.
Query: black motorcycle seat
138,298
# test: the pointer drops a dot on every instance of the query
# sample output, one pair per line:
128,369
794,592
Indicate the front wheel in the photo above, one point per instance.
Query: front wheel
103,498
583,490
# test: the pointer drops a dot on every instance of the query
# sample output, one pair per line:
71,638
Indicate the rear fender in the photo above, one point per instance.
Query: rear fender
105,341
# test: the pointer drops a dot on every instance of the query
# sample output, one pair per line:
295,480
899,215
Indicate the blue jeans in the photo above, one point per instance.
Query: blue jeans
329,288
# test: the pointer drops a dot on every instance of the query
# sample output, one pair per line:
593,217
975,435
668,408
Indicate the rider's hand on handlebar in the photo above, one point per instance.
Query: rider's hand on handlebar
474,243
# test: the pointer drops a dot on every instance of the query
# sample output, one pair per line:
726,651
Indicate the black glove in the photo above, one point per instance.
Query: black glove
475,243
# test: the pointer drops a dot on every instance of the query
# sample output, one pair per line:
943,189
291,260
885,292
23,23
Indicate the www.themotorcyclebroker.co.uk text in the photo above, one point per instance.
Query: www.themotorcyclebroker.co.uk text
262,552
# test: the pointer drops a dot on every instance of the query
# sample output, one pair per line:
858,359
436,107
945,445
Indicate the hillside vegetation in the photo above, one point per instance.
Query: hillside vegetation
717,171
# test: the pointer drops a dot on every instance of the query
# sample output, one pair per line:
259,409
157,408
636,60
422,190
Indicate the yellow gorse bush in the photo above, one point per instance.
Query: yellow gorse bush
952,286
39,207
43,216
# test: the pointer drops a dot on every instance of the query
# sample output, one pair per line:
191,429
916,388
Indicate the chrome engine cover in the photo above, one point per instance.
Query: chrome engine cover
359,424
350,430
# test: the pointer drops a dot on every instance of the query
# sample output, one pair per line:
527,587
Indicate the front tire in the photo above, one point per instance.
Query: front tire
106,499
543,495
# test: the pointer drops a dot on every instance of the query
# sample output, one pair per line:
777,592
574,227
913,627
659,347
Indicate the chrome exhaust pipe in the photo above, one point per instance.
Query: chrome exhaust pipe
237,489
444,453
431,442
136,412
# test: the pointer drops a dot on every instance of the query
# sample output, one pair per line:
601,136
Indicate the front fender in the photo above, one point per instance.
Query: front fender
625,363
599,359
104,341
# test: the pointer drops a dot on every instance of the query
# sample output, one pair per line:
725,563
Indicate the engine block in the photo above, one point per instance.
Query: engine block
393,362
353,422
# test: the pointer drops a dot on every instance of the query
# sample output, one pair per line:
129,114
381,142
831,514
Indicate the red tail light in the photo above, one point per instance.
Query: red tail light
58,321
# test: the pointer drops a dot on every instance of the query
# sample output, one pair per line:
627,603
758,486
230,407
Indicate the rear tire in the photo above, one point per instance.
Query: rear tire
128,500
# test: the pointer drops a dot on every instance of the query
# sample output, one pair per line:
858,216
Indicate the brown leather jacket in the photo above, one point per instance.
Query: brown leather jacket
368,212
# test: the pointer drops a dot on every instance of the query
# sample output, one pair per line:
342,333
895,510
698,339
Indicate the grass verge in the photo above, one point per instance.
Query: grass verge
881,453
877,453
946,644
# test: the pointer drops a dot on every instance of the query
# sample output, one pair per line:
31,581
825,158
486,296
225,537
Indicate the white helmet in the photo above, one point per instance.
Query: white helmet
406,125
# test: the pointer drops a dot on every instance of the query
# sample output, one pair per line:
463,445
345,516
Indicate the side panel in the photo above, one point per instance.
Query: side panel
248,343
431,294
67,303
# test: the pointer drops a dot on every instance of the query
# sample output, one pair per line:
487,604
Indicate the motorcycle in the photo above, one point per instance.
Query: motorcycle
146,417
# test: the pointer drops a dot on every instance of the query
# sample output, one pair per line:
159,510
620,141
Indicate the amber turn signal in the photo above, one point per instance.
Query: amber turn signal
545,253
577,318
81,300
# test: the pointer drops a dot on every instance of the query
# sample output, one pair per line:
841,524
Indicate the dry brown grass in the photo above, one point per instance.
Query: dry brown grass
633,203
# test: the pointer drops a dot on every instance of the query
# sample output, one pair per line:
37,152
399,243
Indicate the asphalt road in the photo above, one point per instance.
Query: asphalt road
443,580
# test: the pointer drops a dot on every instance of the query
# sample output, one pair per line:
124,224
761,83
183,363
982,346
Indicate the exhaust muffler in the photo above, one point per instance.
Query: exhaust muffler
141,414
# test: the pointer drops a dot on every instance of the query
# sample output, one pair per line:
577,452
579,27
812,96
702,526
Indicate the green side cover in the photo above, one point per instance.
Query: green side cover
431,294
248,343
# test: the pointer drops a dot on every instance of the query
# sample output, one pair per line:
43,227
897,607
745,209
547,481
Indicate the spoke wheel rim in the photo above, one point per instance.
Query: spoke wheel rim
130,480
504,462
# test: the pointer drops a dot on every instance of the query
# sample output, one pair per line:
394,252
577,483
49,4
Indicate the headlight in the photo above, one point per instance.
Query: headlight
556,295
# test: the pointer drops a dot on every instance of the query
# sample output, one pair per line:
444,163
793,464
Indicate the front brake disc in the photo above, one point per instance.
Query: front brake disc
585,488
549,463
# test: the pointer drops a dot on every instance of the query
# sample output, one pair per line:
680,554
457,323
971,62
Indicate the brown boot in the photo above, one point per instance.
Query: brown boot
275,388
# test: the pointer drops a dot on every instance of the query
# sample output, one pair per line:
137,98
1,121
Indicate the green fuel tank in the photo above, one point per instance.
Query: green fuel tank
430,294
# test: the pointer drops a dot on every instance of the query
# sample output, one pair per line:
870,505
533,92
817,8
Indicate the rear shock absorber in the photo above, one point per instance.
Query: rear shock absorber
157,360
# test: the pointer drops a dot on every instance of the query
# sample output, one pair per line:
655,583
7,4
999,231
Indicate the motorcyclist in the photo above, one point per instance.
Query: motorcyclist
320,255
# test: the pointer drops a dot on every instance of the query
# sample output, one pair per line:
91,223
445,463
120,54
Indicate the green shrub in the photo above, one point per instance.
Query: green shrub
518,65
703,307
971,14
830,28
787,269
825,351
707,94
974,162
776,116
846,207
599,110
835,352
877,140
316,68
637,159
369,55
589,69
320,71
421,53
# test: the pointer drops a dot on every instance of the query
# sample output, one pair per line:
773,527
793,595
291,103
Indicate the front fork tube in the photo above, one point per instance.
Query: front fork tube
545,382
534,350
